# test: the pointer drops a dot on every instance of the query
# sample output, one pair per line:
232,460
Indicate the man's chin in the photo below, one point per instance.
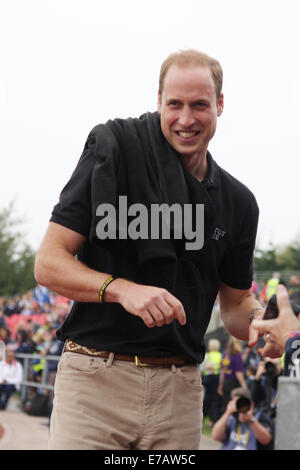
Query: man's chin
187,150
184,151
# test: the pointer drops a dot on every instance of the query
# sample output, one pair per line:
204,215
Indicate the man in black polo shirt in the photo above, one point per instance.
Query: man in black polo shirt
129,377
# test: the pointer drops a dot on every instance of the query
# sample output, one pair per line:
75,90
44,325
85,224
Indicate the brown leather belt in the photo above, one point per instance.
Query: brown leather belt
140,361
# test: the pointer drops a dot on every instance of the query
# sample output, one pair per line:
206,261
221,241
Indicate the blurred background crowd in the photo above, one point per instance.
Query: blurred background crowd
231,366
28,325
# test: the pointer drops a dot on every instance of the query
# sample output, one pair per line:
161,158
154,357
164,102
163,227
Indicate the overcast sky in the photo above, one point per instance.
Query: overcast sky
67,65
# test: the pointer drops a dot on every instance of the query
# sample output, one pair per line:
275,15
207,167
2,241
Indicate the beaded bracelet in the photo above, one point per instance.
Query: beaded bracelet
104,286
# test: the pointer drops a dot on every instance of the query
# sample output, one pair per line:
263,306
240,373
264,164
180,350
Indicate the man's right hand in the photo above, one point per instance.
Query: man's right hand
154,305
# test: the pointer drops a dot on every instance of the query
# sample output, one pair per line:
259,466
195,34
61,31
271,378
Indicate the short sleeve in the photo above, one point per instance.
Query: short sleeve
74,209
237,265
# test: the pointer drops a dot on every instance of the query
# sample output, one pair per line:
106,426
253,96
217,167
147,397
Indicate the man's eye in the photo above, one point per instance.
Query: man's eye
200,104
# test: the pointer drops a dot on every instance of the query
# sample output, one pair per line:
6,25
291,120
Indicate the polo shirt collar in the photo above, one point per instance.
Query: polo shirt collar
211,178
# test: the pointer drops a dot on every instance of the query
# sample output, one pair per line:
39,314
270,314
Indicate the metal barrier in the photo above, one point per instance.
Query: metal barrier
2,351
27,369
287,432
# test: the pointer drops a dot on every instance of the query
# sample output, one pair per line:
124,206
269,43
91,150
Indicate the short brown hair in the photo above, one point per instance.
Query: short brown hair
241,392
193,57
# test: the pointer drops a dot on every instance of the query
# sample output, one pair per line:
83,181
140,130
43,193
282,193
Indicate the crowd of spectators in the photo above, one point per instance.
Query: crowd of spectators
238,370
28,325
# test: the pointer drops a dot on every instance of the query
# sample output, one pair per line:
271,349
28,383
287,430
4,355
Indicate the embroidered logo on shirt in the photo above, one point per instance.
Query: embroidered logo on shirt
218,233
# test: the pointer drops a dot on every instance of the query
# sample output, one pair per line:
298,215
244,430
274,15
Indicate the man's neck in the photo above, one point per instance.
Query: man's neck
196,165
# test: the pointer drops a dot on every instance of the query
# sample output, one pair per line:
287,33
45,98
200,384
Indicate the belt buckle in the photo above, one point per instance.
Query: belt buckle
139,363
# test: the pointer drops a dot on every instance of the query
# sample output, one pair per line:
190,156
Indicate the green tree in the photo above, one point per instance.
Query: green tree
286,258
266,260
16,256
289,257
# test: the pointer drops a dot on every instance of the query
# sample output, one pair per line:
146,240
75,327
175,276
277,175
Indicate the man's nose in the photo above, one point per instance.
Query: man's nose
186,118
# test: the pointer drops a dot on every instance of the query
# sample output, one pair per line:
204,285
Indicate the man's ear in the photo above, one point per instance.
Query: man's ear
220,105
159,102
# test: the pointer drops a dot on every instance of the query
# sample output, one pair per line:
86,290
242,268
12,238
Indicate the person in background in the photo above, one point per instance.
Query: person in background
41,295
2,318
39,340
272,284
27,303
263,293
250,376
54,347
5,335
242,427
250,356
210,380
11,307
295,302
265,385
11,374
255,289
23,343
294,284
232,371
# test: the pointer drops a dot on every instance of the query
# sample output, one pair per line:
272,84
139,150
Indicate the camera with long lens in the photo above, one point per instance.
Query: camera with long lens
243,405
270,370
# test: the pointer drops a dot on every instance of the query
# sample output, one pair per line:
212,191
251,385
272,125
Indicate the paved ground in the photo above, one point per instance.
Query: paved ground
23,432
209,444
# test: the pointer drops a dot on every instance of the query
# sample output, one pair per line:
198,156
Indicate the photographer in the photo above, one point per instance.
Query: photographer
264,390
242,427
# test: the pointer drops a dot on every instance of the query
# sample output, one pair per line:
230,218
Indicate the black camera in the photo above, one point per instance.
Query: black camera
272,309
270,369
243,404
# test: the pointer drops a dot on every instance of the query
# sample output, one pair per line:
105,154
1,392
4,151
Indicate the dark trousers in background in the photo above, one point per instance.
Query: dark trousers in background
6,390
211,402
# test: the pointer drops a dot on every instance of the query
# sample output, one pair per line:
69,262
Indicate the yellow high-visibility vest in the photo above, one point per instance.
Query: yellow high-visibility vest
271,287
212,362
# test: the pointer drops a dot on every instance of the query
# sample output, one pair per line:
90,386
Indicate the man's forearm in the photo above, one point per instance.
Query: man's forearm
61,272
261,433
241,379
219,430
235,311
57,268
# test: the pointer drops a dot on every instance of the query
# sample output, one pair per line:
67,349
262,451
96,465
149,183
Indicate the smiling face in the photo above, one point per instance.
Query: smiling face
188,108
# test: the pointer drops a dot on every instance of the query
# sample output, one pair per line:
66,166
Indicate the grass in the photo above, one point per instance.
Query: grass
206,428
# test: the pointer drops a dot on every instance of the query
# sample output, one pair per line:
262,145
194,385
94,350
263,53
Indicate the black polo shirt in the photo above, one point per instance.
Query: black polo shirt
226,257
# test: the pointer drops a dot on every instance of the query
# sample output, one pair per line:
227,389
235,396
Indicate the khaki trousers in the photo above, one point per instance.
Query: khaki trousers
115,405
